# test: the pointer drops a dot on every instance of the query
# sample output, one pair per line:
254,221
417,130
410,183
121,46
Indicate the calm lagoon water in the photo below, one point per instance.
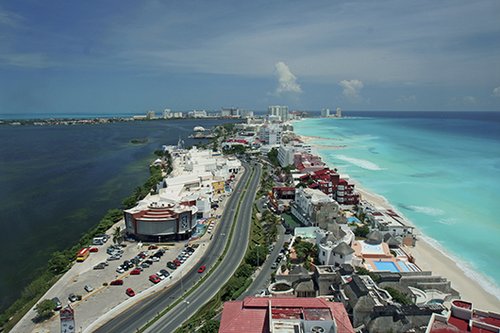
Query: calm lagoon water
56,182
439,169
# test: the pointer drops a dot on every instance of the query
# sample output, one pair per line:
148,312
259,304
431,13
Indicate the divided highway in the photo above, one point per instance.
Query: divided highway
140,313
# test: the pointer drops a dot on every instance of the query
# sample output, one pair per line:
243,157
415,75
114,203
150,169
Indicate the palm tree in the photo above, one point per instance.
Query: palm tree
117,236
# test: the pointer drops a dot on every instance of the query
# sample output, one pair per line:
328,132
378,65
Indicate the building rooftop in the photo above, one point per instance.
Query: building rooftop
464,318
283,315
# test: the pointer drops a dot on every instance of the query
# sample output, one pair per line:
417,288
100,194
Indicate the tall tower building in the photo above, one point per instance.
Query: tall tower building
325,113
338,113
280,111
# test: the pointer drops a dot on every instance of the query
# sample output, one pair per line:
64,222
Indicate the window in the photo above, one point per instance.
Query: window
324,253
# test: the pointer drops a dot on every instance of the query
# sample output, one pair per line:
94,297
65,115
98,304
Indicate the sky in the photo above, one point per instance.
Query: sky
134,56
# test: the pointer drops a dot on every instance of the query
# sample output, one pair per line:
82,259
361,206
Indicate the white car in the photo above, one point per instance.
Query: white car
120,270
160,275
88,288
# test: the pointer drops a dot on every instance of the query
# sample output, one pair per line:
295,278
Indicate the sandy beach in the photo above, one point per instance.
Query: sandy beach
429,258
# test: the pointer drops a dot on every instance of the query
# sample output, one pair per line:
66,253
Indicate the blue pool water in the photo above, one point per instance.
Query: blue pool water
353,219
403,266
386,266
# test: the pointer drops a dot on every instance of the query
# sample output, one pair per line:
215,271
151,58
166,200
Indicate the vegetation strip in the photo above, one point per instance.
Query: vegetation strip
209,273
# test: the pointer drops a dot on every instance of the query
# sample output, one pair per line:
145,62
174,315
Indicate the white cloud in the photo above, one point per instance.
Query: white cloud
352,88
496,92
464,101
287,81
407,99
469,100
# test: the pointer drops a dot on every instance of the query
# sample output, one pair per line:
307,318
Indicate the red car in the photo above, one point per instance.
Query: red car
116,282
130,292
152,247
154,278
177,262
202,269
135,271
94,249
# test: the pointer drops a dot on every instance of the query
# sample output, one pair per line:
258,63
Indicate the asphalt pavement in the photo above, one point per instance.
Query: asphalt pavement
236,251
140,313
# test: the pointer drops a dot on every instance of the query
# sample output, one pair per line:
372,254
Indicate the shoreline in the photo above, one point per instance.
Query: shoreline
431,256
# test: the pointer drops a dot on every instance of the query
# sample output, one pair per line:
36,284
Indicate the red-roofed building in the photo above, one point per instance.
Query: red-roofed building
464,318
330,183
283,315
157,221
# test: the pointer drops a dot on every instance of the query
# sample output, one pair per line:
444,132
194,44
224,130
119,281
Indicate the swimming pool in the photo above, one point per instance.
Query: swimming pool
403,266
353,219
386,266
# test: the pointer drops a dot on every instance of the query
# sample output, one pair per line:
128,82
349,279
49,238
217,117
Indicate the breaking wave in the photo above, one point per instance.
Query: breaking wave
359,162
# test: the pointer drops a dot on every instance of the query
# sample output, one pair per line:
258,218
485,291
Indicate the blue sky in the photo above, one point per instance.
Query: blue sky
134,56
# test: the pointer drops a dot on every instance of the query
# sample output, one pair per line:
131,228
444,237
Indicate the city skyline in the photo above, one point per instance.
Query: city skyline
127,57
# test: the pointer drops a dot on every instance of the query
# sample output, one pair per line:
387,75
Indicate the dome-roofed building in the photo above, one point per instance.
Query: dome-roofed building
199,129
374,237
391,241
339,239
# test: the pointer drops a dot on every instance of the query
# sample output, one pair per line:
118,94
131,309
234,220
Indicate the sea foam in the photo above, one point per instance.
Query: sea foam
359,162
424,210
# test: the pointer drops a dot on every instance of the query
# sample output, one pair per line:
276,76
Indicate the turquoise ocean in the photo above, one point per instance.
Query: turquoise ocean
441,170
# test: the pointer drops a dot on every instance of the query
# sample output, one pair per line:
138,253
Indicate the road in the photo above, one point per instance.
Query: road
263,278
237,247
140,313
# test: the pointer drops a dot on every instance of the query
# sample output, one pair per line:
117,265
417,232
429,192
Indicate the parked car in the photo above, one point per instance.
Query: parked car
135,271
148,261
73,298
114,257
202,269
154,278
88,288
99,266
161,276
145,265
117,282
94,249
176,262
58,304
152,247
171,265
164,272
130,292
155,259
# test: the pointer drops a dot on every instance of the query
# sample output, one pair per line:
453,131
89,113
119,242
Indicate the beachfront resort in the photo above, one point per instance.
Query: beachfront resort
344,261
363,247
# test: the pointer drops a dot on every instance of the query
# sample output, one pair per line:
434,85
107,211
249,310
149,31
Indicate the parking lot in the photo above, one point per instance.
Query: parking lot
145,260
106,300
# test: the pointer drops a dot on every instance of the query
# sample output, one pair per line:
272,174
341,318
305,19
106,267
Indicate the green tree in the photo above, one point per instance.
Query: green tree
256,256
273,157
44,310
117,236
398,296
210,326
362,231
58,263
